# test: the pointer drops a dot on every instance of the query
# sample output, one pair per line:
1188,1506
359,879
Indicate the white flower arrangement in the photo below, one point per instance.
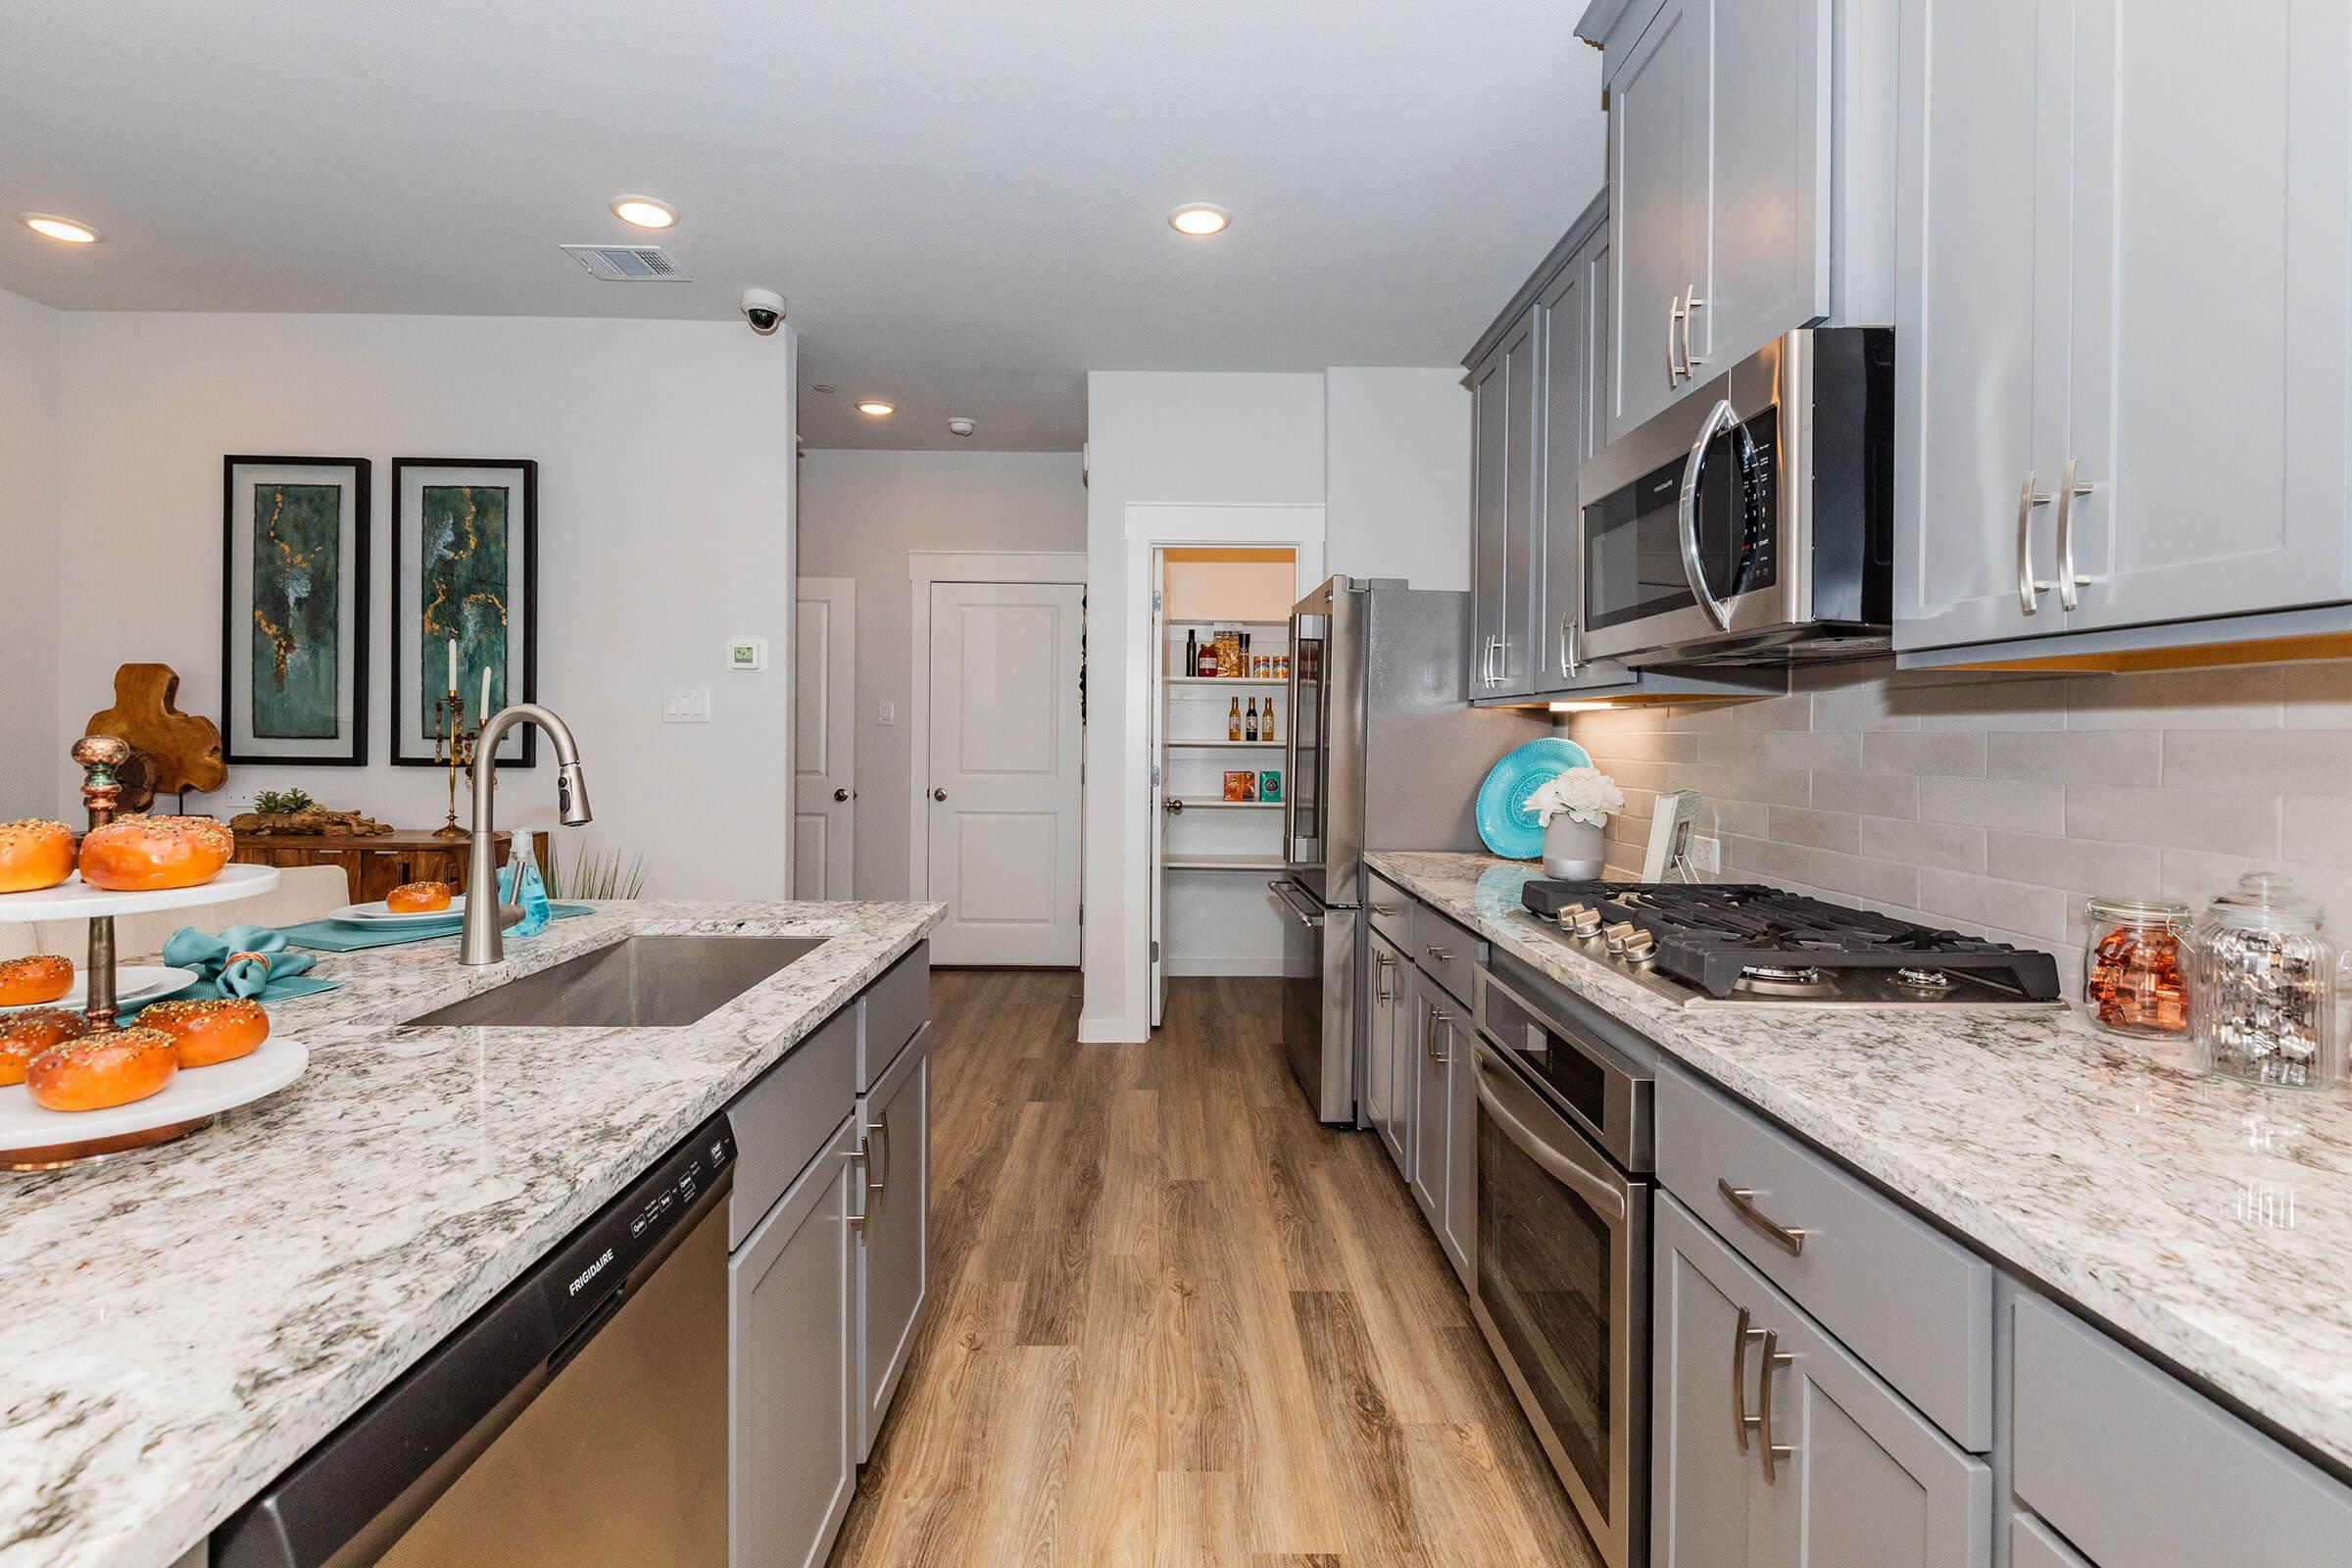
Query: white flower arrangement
1586,794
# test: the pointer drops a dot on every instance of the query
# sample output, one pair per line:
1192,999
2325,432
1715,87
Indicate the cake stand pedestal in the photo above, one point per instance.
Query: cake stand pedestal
76,900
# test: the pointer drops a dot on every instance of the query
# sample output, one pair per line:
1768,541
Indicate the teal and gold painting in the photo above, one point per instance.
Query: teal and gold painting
294,611
464,571
465,578
297,599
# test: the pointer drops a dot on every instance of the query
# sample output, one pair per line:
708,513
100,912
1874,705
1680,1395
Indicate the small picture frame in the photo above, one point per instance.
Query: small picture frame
1241,785
1269,785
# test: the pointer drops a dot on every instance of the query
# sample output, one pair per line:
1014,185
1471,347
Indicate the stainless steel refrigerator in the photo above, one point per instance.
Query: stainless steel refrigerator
1384,753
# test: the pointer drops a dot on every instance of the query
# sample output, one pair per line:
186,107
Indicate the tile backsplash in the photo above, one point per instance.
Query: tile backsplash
1996,805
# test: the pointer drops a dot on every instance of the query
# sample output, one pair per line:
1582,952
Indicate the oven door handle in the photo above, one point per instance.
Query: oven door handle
1601,1191
1720,418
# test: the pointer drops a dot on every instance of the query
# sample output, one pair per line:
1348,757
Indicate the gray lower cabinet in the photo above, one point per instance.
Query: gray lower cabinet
1773,1447
1391,985
793,1410
2065,435
893,1243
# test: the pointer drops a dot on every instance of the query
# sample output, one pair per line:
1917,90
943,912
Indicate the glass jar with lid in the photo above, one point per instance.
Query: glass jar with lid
2262,987
2136,967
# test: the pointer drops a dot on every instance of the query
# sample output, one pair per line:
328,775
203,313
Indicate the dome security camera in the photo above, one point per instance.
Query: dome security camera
963,424
763,309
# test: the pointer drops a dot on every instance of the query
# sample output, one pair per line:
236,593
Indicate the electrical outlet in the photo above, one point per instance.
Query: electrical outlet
1706,856
685,708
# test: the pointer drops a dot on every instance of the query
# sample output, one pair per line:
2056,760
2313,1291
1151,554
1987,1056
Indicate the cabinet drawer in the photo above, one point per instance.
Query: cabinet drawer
1446,953
890,1012
1911,1301
2031,1545
1391,908
785,1118
2140,1472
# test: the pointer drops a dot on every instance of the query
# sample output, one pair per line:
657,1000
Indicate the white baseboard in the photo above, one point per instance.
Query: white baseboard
1210,965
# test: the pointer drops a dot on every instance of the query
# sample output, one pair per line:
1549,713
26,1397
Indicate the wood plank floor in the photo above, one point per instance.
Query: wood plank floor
1176,1324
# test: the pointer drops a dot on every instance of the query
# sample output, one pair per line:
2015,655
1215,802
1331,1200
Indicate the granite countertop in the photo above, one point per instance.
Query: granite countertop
184,1322
2210,1221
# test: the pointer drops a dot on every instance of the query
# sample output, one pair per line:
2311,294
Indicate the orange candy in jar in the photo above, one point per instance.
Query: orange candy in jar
2134,981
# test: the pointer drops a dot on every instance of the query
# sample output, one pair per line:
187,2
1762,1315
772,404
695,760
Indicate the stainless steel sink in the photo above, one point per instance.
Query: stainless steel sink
655,982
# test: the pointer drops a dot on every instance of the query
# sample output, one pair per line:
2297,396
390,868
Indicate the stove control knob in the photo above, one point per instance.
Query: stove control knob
1587,923
1640,947
1618,935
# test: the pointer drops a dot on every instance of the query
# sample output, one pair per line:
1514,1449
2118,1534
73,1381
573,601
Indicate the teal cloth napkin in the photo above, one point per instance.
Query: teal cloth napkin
216,977
337,935
287,989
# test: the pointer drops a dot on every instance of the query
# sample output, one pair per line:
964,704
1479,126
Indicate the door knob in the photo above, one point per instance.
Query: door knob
841,795
938,794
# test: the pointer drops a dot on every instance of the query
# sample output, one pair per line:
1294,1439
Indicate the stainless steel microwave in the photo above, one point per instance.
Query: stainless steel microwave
1752,523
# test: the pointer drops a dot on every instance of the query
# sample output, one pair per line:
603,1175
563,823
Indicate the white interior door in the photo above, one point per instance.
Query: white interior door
1155,728
1005,743
824,695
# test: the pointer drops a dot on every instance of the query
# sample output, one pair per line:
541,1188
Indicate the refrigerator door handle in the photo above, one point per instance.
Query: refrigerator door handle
1290,757
1291,896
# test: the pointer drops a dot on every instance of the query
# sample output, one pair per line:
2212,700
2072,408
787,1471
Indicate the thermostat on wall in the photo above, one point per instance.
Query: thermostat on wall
747,653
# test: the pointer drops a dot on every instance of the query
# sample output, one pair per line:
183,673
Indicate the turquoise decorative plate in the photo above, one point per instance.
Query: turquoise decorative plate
1510,829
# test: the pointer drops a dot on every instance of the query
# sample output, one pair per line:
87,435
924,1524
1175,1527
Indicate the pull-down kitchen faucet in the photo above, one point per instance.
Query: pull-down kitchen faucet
480,942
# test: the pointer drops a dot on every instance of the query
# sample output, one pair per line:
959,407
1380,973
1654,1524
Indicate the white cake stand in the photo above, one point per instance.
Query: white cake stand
160,1118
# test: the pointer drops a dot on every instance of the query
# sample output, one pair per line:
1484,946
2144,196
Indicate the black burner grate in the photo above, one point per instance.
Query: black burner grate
1707,933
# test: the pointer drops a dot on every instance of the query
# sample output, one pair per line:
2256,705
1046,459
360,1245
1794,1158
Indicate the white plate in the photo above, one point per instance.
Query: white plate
377,914
192,1092
134,983
76,900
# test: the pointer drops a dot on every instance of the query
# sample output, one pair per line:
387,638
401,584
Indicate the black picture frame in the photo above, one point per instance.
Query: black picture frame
412,732
240,747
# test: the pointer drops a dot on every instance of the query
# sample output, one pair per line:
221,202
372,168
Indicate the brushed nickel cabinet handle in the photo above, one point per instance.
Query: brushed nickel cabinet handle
882,1185
1775,1361
1439,1017
1787,1238
1676,369
1691,302
2068,581
1440,954
1741,1422
861,1162
1381,993
2027,590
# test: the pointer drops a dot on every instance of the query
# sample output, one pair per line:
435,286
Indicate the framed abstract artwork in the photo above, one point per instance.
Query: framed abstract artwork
294,611
464,575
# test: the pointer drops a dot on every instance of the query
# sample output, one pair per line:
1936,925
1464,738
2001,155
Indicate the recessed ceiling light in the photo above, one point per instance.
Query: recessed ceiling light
60,229
1200,220
876,406
644,212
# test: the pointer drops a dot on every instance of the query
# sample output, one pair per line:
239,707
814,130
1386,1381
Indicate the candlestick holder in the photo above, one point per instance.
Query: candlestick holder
454,747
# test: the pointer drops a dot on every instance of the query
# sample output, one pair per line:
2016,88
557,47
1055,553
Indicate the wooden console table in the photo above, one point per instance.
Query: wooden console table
376,864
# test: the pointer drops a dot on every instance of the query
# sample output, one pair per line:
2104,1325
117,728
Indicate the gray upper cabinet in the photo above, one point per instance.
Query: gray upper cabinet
1735,218
2125,342
1506,422
1652,214
1775,1448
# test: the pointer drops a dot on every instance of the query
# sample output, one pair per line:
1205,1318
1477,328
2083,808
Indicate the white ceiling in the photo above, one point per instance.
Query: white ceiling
964,205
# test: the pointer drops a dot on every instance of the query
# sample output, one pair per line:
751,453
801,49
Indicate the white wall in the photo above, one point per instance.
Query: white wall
665,529
860,514
1160,436
29,526
1397,456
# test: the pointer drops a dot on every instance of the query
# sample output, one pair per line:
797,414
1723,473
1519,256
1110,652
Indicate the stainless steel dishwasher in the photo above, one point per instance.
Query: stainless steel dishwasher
580,1418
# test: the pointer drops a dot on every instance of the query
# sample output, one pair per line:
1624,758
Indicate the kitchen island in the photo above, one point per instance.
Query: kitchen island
189,1320
2211,1223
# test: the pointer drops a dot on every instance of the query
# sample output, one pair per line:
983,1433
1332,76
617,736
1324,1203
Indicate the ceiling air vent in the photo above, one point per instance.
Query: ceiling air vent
628,264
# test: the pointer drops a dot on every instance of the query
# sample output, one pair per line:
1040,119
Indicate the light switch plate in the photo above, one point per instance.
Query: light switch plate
685,708
747,654
890,712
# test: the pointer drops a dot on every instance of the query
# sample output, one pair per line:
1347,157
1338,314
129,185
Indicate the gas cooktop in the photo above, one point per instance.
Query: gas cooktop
1734,943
